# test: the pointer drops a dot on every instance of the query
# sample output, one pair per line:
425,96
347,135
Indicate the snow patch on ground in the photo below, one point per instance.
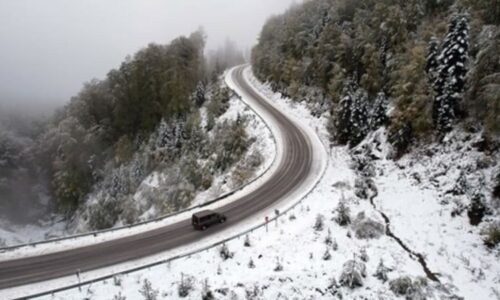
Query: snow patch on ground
413,194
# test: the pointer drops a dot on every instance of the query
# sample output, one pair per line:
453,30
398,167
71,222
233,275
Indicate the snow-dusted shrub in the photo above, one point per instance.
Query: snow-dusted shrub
255,159
327,255
207,295
362,187
461,185
251,264
352,274
335,246
400,137
119,296
411,289
367,228
279,265
492,235
117,280
458,207
477,209
247,242
381,272
328,238
363,255
130,213
185,286
104,213
224,252
362,161
343,214
253,292
333,288
148,292
319,224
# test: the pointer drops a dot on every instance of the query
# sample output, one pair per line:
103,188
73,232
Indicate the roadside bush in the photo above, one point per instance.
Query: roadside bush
364,255
279,265
328,238
185,286
477,209
147,291
104,214
251,264
327,255
367,228
253,292
224,252
352,274
492,235
343,214
319,224
362,187
411,289
247,242
381,272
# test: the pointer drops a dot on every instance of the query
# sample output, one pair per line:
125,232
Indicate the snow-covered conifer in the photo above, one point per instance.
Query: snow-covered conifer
381,272
378,115
352,274
147,291
199,97
448,78
351,123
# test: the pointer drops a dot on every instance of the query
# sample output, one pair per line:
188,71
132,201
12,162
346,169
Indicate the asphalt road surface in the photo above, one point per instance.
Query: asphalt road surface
290,174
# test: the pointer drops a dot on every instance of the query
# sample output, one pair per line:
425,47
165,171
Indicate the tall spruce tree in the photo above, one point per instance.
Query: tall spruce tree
351,122
447,72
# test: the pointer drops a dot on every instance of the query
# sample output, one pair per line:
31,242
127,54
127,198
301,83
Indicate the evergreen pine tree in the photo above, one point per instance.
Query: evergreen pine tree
351,123
200,98
432,61
449,78
379,111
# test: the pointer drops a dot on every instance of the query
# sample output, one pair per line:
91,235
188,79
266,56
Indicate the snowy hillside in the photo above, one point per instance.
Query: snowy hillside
372,229
152,191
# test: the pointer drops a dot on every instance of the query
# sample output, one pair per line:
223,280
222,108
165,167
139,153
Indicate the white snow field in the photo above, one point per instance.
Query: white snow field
317,171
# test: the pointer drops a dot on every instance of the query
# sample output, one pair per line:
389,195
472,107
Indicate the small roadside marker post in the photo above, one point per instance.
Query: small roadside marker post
267,221
277,213
79,280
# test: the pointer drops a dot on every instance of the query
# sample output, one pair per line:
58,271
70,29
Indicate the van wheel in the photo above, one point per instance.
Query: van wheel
203,227
222,220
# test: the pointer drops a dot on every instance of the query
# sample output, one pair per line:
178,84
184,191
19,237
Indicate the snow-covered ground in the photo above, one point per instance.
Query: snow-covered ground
411,192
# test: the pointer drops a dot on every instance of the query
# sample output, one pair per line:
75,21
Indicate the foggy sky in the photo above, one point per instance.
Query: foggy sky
49,48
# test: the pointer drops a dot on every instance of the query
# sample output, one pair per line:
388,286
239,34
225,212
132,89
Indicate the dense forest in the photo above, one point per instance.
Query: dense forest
429,64
144,116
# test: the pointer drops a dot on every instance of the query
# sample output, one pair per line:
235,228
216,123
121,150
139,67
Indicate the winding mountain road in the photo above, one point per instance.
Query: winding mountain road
292,172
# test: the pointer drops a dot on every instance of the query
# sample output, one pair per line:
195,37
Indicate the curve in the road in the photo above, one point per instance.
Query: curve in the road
291,173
